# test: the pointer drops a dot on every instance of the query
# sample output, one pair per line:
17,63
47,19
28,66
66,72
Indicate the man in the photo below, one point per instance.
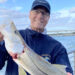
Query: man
41,43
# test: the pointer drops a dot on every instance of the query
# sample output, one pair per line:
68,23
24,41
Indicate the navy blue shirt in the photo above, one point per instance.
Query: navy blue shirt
45,46
12,67
3,55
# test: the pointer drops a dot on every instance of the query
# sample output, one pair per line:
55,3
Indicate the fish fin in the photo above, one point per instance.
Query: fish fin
60,67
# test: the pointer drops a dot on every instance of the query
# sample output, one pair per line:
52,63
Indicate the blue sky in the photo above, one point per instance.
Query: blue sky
25,5
62,13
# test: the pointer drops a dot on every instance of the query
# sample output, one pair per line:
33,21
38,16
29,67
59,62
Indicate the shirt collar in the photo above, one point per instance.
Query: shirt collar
44,32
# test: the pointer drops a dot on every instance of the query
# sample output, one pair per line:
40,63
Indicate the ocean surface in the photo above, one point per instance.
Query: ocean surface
67,41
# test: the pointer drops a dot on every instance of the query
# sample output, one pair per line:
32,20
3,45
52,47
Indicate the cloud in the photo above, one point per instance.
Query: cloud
18,8
20,19
12,13
2,1
62,20
72,10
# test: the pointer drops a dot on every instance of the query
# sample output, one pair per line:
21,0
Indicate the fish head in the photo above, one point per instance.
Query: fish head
12,38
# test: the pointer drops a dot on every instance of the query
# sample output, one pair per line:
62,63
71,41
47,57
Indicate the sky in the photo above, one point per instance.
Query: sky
62,13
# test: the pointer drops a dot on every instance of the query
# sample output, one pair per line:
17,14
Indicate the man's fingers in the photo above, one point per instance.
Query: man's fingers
69,73
13,55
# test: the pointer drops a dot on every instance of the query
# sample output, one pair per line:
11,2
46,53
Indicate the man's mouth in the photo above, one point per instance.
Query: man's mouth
39,21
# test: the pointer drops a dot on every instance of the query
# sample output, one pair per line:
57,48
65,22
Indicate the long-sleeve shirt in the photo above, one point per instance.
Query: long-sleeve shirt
45,46
12,67
48,47
3,55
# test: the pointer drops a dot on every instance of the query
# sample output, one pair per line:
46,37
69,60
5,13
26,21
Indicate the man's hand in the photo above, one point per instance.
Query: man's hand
69,73
14,55
1,37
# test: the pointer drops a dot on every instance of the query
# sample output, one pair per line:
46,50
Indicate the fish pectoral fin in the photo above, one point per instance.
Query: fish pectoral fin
60,67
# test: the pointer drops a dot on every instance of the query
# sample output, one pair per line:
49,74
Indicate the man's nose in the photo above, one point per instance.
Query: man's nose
40,15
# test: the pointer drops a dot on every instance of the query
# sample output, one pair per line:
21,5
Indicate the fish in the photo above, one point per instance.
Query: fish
30,61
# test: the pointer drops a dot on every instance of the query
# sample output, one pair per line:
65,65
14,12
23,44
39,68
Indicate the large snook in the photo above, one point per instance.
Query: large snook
29,60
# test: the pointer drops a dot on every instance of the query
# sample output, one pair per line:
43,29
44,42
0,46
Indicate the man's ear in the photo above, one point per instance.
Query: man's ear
48,17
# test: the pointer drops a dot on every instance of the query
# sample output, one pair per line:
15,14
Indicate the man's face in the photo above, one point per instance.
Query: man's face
1,37
39,18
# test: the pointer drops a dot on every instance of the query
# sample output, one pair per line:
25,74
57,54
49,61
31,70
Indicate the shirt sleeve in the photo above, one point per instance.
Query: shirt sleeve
3,56
61,57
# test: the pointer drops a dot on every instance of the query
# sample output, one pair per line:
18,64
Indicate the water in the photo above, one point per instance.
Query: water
67,41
